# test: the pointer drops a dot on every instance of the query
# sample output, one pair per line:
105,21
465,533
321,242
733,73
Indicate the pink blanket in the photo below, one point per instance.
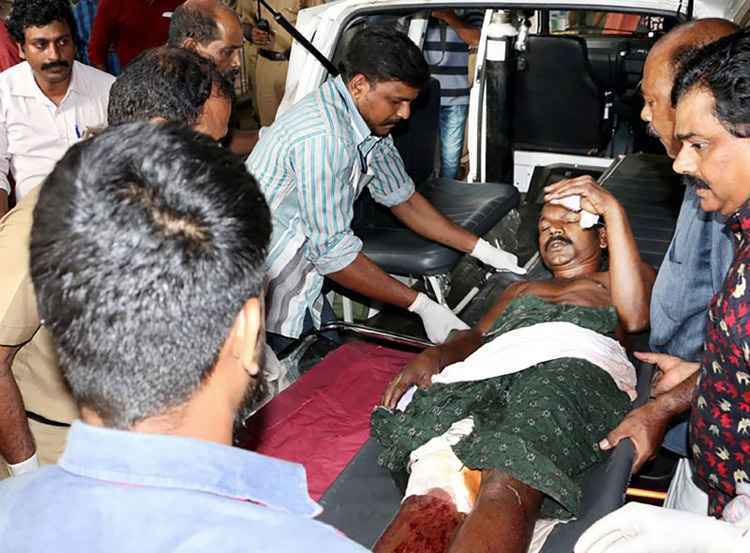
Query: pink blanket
323,419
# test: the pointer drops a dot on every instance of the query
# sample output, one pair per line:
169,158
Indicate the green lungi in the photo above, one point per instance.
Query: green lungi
540,425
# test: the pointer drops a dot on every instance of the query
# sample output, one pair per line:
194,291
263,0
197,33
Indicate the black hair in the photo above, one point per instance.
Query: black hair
171,83
147,241
383,54
39,13
190,21
722,68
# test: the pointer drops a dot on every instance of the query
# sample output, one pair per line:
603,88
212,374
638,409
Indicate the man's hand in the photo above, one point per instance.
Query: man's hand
640,528
672,370
438,320
448,16
645,426
259,38
497,258
417,373
594,198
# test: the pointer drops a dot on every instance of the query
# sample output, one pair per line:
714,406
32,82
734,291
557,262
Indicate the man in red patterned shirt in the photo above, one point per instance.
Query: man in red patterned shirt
712,98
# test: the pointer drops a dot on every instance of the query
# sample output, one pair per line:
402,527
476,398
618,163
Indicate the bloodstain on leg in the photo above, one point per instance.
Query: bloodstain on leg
424,524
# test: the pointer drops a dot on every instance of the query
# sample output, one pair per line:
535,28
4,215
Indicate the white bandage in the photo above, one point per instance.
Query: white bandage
573,203
29,465
435,466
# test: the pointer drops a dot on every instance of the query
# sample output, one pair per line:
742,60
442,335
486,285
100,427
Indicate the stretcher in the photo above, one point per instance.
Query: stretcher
322,420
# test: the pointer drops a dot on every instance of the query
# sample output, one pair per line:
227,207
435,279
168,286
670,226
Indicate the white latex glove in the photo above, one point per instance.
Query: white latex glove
497,258
438,320
737,511
640,528
30,464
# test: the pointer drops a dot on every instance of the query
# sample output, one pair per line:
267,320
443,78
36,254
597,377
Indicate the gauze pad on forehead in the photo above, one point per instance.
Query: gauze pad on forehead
573,203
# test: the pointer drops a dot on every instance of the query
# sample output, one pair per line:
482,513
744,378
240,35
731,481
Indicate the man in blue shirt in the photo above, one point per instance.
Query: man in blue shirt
314,161
147,255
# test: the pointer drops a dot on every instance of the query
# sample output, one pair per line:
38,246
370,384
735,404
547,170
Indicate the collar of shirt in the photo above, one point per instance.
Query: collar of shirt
739,224
158,460
25,85
366,141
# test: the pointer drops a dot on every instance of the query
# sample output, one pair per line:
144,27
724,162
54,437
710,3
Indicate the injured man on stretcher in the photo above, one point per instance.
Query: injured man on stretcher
506,416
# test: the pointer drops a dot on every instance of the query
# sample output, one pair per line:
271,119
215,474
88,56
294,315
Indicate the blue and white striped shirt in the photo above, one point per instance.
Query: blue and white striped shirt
448,57
311,164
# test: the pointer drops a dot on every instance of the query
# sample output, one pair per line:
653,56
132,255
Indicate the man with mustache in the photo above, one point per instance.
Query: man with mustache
313,162
533,426
147,254
213,31
47,102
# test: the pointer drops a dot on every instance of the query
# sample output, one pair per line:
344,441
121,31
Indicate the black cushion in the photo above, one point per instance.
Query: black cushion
557,104
475,206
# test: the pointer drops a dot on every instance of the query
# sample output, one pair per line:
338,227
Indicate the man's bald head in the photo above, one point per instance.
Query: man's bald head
210,29
663,61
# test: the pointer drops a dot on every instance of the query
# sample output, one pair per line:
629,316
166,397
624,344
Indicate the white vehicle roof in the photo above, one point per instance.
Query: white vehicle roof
323,23
729,9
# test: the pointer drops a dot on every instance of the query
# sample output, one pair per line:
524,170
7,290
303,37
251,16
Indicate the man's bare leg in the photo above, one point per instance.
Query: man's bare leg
503,517
424,524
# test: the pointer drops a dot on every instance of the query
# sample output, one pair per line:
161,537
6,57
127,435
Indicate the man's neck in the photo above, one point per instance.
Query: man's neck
54,91
583,269
188,421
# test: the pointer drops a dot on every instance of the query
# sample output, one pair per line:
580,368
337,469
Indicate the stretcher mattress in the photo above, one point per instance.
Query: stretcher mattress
323,420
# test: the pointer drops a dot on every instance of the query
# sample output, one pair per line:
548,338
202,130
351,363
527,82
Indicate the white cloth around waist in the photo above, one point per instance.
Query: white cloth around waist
522,348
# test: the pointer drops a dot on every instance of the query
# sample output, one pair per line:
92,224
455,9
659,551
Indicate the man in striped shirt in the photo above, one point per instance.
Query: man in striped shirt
313,162
446,49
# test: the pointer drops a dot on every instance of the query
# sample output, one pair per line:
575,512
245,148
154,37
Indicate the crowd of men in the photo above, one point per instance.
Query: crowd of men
145,266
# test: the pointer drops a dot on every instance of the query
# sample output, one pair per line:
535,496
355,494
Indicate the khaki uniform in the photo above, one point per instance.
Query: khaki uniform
249,50
35,366
270,75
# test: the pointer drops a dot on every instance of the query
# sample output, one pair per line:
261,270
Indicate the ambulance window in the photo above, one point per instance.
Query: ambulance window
599,23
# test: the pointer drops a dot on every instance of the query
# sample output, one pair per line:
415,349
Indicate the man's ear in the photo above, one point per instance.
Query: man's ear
245,334
190,44
359,86
21,52
603,242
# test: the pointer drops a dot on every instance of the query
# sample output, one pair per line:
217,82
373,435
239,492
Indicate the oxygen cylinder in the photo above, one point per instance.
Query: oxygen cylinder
498,67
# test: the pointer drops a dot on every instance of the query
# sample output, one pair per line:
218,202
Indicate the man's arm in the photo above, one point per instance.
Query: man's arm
646,425
631,280
16,442
366,278
469,34
461,344
419,215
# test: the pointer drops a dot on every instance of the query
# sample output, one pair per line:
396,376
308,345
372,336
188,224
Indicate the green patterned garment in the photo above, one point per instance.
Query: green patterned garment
540,425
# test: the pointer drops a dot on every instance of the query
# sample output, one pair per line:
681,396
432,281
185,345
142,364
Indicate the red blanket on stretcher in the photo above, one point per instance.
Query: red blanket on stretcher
323,419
